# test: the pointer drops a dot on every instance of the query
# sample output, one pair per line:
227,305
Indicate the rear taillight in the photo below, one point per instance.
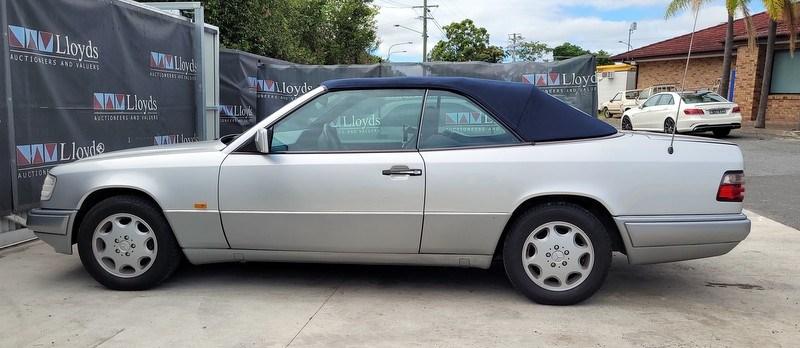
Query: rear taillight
731,188
736,109
693,111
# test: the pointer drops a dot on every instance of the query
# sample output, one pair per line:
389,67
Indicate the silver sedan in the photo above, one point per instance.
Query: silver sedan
404,171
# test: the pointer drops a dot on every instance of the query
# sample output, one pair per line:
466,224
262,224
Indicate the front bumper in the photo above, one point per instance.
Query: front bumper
654,239
54,227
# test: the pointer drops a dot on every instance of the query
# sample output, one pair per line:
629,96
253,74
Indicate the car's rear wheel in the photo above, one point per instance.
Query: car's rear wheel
626,123
125,243
557,254
721,133
669,126
606,113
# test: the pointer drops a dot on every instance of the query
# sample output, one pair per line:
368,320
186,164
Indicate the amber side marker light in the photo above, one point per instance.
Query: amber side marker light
201,205
731,188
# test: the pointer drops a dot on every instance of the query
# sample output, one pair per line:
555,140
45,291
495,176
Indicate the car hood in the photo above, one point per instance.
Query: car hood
190,147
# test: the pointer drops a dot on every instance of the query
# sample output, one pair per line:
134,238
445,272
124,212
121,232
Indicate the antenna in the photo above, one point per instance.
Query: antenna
671,149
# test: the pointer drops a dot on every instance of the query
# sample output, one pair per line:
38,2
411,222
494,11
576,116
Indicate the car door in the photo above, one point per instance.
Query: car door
666,108
643,119
343,175
615,103
465,210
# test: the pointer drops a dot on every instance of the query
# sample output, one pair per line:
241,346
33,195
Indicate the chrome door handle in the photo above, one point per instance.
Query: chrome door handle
402,170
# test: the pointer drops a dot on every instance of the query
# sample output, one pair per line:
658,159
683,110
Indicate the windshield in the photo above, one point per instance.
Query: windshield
704,97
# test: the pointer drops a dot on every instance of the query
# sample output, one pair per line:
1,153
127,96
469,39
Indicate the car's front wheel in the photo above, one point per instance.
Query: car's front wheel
607,113
557,254
125,243
626,123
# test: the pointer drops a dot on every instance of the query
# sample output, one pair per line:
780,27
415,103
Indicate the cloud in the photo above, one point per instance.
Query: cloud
592,24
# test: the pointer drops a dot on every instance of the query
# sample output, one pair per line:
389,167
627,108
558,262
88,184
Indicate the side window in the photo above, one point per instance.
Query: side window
666,99
652,101
450,120
631,94
357,120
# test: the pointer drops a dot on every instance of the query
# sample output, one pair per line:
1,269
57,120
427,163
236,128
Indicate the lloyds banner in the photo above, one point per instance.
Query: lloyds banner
92,76
249,93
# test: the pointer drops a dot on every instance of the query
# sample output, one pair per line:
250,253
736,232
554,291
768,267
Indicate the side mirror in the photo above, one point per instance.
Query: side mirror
263,136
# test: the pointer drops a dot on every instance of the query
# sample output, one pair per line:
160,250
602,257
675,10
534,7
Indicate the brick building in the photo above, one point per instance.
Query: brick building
663,63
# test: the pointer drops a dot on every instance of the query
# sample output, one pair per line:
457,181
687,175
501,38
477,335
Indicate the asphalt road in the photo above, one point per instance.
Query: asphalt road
772,170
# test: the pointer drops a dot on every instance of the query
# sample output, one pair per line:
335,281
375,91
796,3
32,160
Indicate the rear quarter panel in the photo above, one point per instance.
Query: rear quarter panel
631,174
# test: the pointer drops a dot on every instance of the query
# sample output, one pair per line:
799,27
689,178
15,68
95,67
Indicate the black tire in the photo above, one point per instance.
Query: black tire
669,125
626,123
721,133
168,254
606,113
539,215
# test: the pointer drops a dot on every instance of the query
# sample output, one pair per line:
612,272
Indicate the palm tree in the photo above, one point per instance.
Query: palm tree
778,10
676,6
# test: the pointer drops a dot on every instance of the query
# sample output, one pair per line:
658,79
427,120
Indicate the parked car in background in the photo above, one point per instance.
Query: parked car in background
621,102
695,112
406,171
645,93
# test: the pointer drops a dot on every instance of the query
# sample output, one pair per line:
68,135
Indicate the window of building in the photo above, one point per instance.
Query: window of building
785,73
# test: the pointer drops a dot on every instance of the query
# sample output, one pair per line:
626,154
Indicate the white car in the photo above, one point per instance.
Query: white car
621,102
694,111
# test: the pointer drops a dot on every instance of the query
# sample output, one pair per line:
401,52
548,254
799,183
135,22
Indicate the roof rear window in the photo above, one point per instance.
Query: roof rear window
705,97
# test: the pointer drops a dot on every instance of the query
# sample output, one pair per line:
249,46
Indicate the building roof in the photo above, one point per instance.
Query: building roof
708,40
532,114
615,67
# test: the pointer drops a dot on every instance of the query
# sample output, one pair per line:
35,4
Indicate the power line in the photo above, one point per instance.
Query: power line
425,11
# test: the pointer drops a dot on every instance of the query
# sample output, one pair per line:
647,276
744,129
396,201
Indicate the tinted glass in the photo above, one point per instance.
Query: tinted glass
631,94
785,73
451,120
666,99
361,120
652,101
706,97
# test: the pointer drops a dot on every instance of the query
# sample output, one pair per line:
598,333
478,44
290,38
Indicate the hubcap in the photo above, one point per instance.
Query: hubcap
669,126
558,256
124,245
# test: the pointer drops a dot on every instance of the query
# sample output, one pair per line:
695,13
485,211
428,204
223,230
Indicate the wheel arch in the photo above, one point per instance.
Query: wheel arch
92,198
591,204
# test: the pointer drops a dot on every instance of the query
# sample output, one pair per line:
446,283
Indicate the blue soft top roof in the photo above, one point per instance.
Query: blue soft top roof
531,113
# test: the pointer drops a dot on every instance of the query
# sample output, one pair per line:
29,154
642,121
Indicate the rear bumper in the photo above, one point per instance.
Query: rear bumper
654,239
54,227
702,124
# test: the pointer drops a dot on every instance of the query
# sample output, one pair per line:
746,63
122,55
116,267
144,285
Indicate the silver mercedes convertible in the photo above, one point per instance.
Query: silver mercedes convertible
405,171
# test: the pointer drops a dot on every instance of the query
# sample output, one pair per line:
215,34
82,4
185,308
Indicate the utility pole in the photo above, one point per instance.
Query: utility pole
425,19
513,37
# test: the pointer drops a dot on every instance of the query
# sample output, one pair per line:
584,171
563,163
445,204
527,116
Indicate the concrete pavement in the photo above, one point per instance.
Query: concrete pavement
746,298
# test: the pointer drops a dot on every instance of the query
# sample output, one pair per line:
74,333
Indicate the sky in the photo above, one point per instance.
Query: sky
591,24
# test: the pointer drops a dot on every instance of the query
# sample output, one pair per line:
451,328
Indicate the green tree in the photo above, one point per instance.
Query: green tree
531,51
787,12
676,6
568,50
464,41
603,58
300,31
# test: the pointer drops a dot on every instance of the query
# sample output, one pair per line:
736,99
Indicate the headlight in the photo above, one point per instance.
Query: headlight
48,187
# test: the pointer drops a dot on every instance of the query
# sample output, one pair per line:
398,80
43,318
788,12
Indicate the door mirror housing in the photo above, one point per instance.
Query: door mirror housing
263,139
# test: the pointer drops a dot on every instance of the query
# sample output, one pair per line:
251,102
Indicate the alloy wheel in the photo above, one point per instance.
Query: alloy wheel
124,245
558,256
